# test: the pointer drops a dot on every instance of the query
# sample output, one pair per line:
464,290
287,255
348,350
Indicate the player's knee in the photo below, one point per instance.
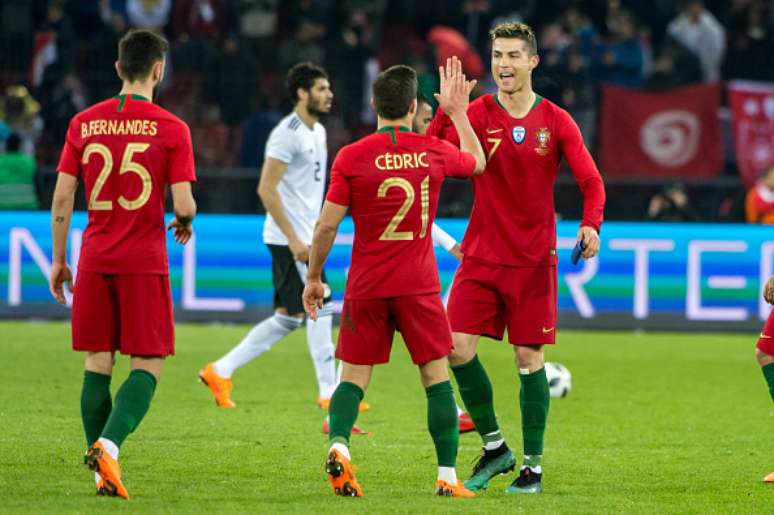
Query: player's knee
763,357
434,372
529,357
463,349
289,322
100,362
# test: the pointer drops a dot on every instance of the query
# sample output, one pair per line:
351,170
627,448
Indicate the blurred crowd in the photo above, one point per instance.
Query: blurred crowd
228,58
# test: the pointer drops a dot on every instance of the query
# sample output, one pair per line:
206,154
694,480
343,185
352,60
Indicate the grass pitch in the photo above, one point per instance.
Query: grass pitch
655,423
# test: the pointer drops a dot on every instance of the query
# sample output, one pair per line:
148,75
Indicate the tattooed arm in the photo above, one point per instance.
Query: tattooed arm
61,213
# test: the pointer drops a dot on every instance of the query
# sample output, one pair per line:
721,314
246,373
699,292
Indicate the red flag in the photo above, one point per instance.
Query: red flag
672,133
752,108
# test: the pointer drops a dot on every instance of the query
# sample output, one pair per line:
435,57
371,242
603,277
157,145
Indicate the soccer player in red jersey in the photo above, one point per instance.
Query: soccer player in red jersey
126,150
508,274
764,351
391,181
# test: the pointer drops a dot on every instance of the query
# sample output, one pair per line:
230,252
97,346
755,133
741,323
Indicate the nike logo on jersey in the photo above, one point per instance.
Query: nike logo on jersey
765,336
492,131
547,330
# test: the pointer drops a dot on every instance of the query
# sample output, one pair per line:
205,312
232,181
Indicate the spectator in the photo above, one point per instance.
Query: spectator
200,19
620,59
671,205
675,66
257,21
20,113
304,46
759,202
701,33
231,82
148,14
102,80
750,44
17,177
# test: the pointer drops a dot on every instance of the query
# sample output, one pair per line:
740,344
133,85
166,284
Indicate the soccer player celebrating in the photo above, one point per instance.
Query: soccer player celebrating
391,181
291,188
125,150
764,351
508,273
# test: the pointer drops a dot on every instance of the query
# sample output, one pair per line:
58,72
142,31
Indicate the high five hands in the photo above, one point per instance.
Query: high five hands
455,88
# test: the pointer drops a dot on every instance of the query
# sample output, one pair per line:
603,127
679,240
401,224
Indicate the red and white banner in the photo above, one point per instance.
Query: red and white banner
752,109
672,133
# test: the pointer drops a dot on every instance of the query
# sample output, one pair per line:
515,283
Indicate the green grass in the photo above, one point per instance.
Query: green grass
656,423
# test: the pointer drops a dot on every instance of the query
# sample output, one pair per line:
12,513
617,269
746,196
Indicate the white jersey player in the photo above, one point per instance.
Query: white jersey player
291,188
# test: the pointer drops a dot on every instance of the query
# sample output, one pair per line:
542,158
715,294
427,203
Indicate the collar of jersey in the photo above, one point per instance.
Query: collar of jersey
133,97
392,129
124,97
538,98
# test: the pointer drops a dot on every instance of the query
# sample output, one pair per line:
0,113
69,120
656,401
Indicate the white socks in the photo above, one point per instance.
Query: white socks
460,411
490,446
343,449
319,340
448,474
110,447
260,339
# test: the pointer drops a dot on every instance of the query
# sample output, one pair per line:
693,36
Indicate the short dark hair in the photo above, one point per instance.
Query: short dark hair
138,51
516,30
303,75
421,99
394,89
13,143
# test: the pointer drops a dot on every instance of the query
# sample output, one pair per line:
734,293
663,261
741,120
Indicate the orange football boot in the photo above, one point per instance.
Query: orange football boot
98,460
769,478
355,430
325,404
341,475
444,489
219,386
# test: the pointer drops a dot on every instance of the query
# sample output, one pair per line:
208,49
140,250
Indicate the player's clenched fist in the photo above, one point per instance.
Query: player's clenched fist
590,238
768,291
314,294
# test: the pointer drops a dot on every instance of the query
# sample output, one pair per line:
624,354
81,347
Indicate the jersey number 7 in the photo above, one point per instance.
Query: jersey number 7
390,233
127,165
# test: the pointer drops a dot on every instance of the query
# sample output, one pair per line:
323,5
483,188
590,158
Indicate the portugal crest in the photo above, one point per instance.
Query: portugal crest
543,136
518,134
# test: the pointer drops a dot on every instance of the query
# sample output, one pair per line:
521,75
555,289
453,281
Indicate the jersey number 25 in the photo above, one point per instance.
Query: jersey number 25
127,165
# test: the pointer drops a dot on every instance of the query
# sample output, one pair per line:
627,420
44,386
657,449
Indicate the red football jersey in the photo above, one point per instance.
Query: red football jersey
391,181
513,220
126,150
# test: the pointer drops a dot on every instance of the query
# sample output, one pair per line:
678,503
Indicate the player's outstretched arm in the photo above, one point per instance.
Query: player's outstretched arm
61,213
271,175
454,99
184,207
324,235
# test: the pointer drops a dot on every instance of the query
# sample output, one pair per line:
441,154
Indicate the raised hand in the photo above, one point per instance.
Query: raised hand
454,96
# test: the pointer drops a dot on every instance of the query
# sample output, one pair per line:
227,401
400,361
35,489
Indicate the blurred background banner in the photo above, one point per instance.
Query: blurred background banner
752,109
659,276
672,133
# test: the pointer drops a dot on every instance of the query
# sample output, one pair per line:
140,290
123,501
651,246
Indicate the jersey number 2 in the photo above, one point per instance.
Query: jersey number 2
127,165
390,234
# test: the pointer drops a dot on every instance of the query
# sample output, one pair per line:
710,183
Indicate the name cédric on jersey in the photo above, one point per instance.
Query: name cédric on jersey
390,161
119,128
